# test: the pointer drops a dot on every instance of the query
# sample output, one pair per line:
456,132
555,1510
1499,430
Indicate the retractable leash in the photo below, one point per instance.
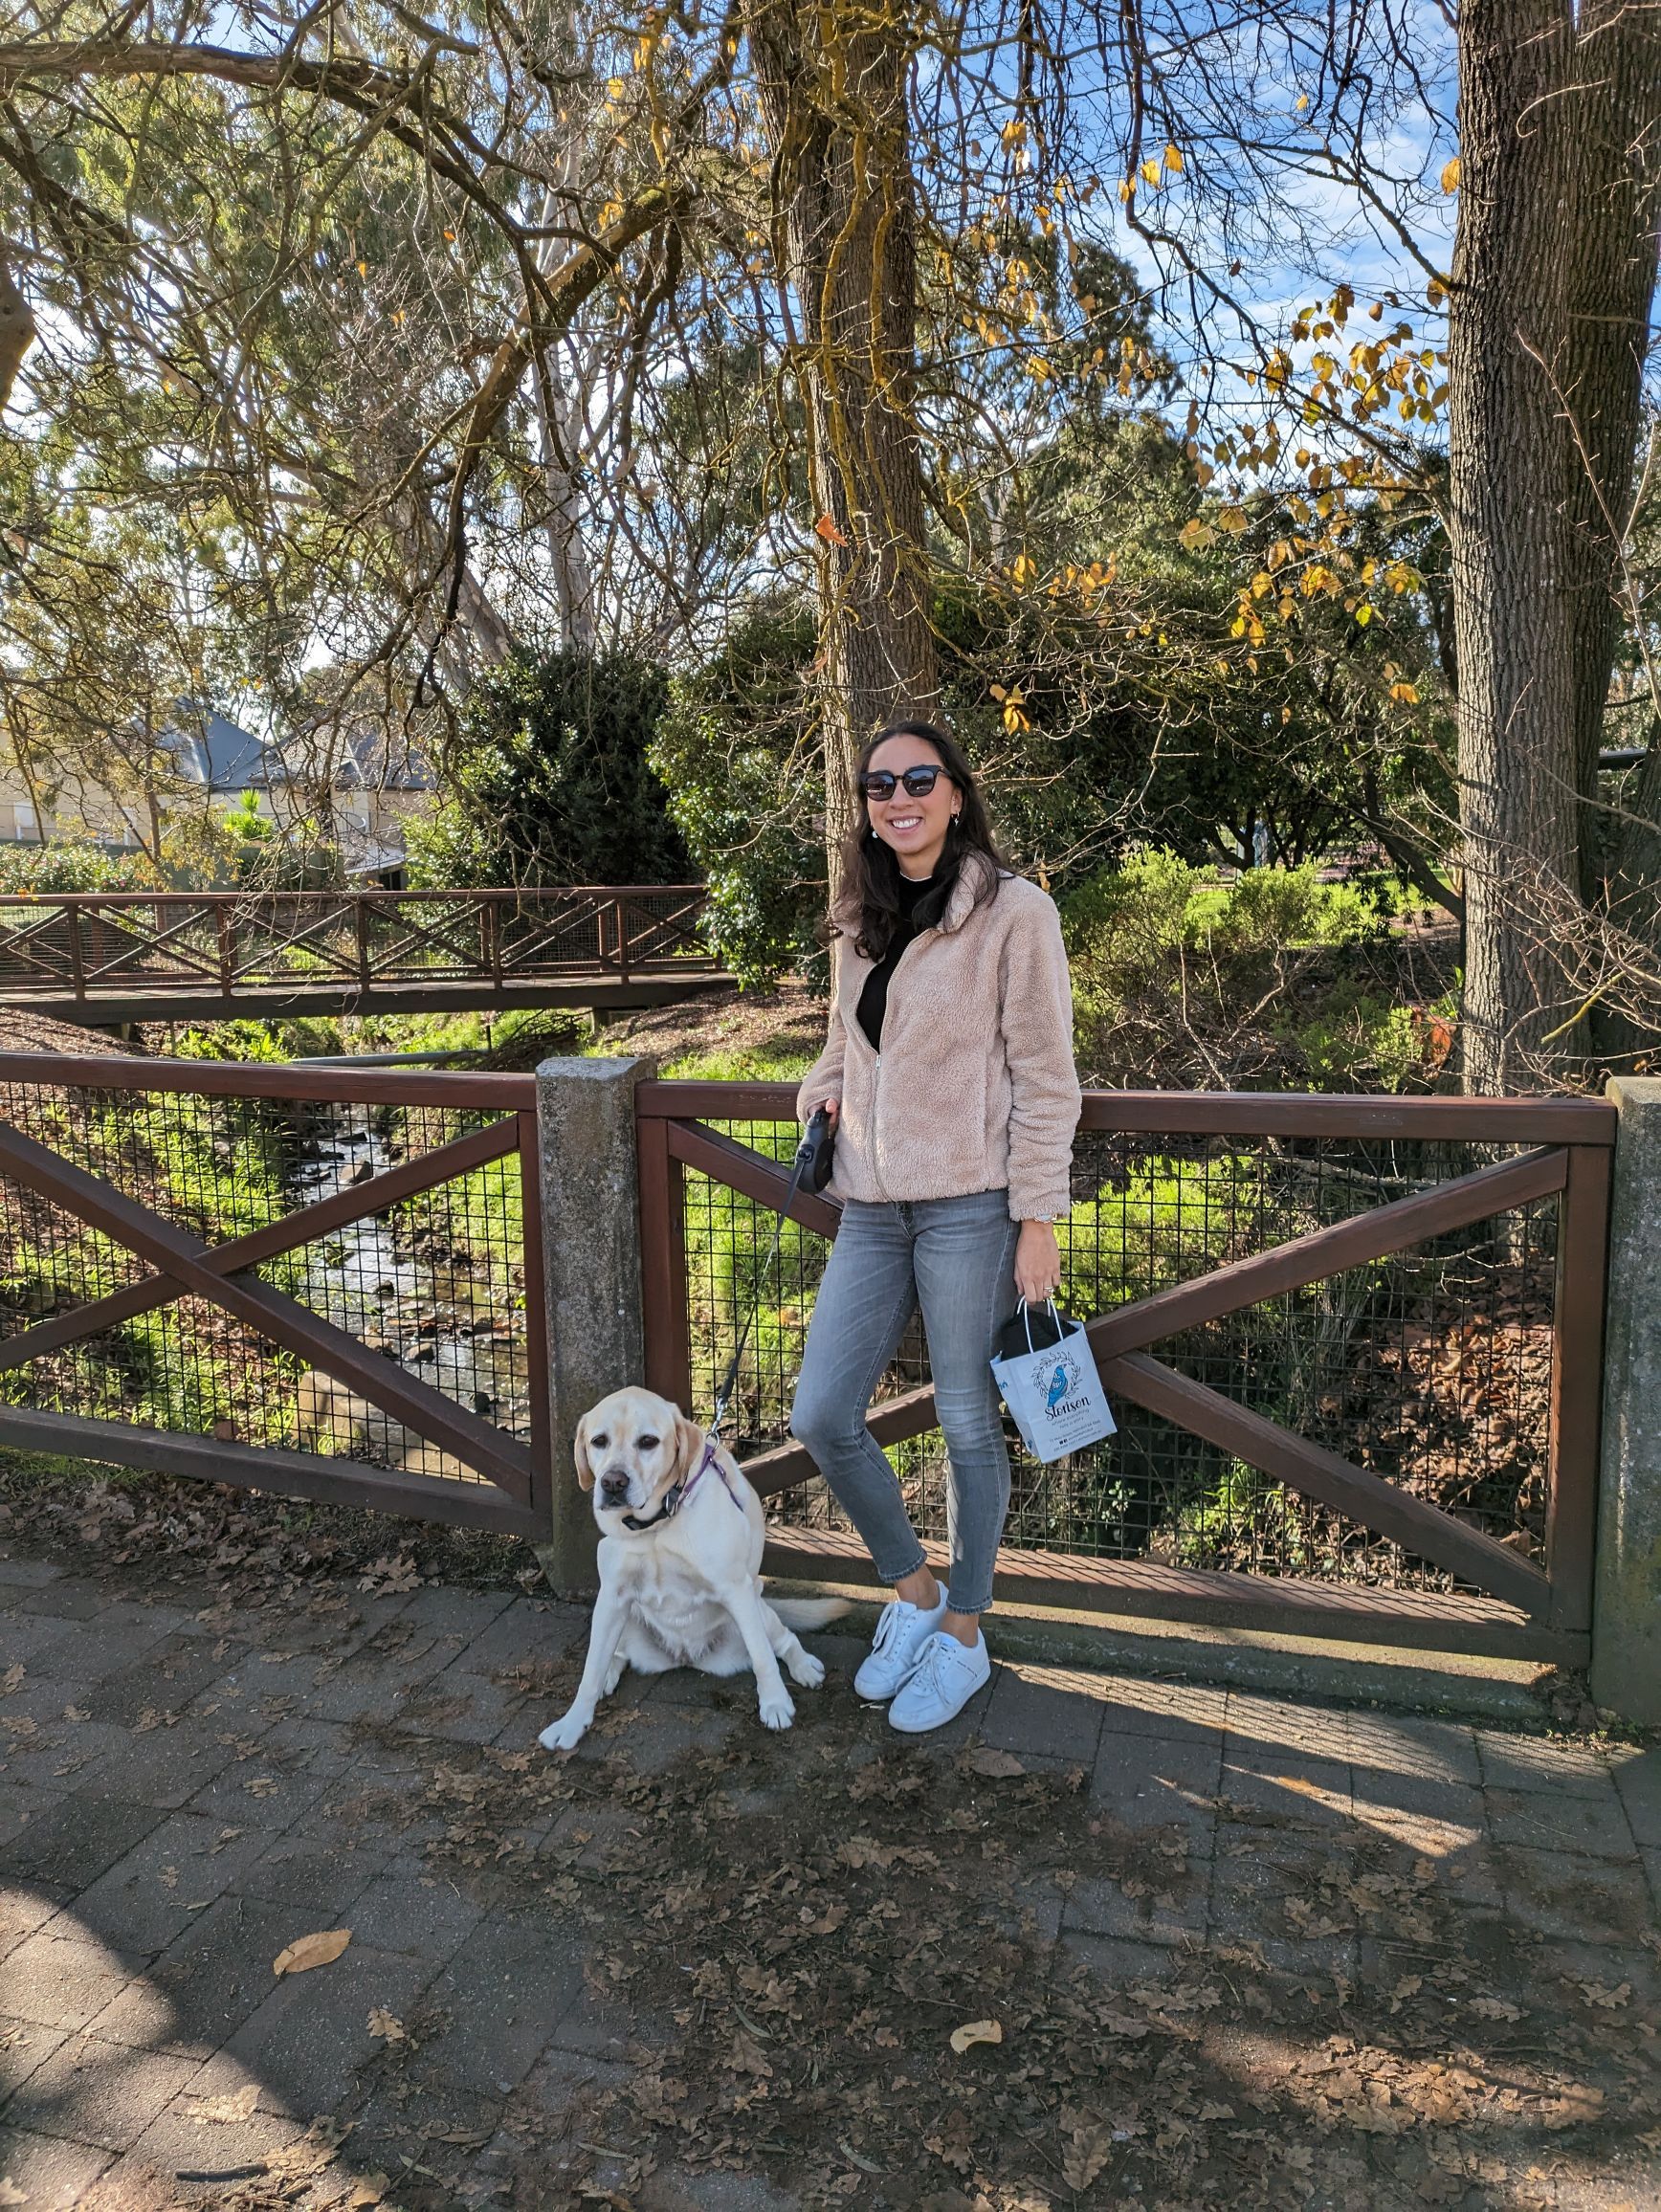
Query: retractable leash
807,1153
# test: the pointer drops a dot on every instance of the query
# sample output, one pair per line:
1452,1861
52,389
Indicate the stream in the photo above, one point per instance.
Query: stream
451,1324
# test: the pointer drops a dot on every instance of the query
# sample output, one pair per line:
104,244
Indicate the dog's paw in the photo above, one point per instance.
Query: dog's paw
777,1712
564,1734
805,1669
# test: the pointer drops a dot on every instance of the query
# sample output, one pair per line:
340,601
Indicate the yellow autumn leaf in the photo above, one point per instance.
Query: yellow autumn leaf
309,1951
1452,174
1174,160
1150,172
975,2031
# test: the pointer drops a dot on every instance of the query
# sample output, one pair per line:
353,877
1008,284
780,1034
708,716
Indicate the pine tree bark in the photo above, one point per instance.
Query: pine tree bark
1554,270
833,91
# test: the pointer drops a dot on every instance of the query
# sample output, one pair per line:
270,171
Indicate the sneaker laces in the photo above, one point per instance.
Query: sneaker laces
886,1625
929,1661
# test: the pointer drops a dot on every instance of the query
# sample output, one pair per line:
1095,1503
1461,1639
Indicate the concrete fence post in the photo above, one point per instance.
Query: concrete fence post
1626,1599
591,1270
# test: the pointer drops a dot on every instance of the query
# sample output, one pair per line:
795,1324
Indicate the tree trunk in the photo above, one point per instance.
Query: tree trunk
832,93
557,423
1554,269
16,330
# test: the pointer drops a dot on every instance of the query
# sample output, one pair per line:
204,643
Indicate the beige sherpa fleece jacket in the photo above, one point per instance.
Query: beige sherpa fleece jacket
975,1087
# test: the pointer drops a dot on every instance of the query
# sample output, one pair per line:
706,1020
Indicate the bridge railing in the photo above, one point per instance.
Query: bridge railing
88,944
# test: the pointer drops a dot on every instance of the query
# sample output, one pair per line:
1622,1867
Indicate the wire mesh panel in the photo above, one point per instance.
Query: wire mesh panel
430,1286
1431,1367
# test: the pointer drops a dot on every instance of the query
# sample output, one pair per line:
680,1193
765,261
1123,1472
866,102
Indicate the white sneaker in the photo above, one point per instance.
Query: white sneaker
902,1629
946,1675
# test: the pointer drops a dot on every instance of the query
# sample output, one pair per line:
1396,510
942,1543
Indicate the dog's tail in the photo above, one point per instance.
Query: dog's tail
809,1612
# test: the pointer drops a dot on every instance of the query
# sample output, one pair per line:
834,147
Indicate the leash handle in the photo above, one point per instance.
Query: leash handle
804,1157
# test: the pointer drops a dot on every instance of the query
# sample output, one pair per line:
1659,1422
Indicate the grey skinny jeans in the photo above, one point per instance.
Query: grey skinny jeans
956,1258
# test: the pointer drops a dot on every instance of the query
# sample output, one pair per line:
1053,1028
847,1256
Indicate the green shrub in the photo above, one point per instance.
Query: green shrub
747,792
1277,981
552,779
75,864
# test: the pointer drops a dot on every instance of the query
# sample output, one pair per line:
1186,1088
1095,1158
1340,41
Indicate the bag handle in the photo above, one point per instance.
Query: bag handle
1026,1321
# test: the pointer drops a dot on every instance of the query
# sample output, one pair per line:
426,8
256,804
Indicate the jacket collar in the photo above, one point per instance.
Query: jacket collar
973,870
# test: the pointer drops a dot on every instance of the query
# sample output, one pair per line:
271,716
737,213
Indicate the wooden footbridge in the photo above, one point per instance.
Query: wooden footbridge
108,957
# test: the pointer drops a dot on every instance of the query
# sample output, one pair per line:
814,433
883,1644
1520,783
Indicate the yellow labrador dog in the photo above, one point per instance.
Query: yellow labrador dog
680,1550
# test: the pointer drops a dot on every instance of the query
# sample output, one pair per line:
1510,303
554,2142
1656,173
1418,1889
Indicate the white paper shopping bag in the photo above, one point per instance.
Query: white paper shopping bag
1051,1389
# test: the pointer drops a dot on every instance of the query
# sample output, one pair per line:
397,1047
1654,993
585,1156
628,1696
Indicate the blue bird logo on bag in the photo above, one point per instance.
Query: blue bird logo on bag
1066,1379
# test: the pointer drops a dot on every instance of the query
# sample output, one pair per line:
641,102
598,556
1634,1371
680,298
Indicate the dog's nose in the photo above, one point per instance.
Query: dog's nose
614,1483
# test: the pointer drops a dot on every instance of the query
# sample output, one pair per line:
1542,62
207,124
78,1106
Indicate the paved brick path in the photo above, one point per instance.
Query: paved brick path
183,1794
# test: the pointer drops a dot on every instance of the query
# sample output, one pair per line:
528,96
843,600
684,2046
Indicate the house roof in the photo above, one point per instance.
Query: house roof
219,753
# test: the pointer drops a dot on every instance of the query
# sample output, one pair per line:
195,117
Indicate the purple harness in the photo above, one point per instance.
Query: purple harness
678,1492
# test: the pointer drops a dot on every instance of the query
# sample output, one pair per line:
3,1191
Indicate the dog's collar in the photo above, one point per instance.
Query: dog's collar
677,1492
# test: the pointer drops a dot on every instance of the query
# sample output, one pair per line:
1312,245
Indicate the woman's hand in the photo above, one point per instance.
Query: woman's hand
1037,1262
831,1106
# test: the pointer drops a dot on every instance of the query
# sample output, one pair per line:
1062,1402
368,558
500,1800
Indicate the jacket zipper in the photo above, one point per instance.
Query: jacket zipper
876,1073
876,1100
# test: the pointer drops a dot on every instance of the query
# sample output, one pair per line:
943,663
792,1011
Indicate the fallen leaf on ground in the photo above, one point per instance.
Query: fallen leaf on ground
999,1764
975,2031
1088,2151
11,1680
388,2029
236,2104
1600,1993
369,2190
310,1951
10,2193
746,2058
1494,2008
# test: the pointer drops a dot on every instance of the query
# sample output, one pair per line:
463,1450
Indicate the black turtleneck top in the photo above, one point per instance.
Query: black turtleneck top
922,903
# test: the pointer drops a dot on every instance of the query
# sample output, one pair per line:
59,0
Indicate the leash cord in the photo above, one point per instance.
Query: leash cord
803,1155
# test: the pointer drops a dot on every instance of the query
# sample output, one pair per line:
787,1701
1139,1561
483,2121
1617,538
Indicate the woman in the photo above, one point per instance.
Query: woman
948,1073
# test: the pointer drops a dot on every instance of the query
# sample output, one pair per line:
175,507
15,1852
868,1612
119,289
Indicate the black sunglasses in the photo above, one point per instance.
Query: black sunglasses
918,781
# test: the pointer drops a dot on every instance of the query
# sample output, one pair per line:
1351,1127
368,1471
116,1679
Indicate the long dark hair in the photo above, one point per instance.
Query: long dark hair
870,871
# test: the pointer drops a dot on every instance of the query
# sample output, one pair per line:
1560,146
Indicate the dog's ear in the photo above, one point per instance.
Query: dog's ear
580,1453
688,1444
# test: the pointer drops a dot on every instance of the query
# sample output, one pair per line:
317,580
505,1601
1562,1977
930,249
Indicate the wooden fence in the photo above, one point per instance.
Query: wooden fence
1376,1411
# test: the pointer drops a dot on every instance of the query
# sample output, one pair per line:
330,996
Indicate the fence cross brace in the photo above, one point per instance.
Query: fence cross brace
425,1172
1118,1337
187,1262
